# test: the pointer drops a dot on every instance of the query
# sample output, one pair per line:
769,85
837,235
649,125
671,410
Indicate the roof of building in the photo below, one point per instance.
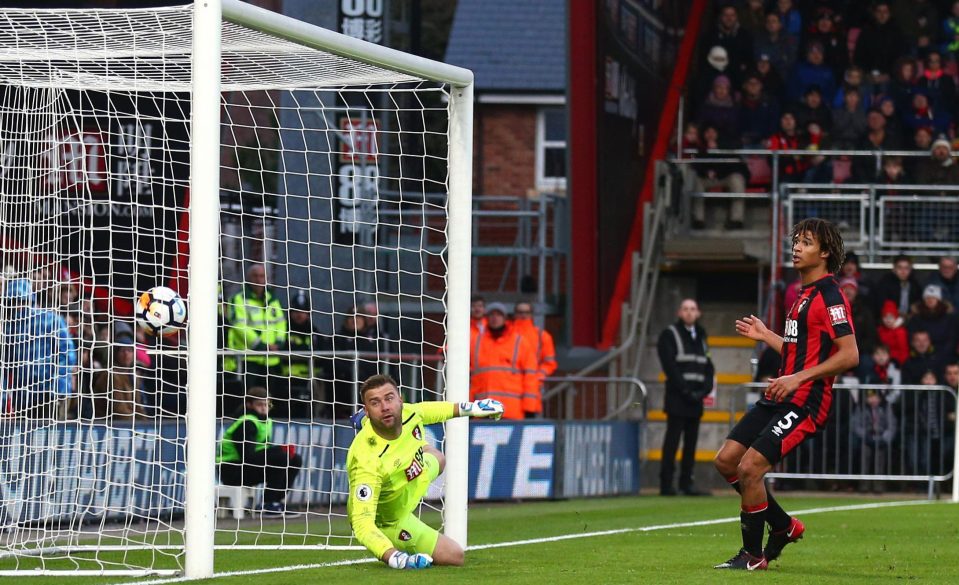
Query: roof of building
511,46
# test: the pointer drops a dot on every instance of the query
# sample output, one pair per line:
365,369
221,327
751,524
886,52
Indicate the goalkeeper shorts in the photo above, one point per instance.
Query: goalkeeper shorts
412,535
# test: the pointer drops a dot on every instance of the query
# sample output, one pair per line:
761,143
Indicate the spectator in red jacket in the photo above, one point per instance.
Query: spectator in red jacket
892,333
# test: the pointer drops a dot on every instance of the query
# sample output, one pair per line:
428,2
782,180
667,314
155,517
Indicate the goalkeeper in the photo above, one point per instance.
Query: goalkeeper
390,468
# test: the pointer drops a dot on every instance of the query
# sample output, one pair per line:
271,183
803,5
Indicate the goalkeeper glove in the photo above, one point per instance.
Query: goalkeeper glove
485,408
357,419
401,560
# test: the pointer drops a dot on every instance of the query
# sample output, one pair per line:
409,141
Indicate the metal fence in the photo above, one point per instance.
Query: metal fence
909,437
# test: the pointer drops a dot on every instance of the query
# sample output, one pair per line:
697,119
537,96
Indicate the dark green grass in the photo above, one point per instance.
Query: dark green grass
911,543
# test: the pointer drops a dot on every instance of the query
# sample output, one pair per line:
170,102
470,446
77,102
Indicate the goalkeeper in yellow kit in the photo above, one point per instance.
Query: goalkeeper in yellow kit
390,468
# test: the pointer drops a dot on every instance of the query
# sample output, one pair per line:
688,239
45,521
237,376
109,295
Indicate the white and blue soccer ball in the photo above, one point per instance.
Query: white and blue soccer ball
161,311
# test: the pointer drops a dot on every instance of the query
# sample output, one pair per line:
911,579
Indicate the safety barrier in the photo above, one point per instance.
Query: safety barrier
911,438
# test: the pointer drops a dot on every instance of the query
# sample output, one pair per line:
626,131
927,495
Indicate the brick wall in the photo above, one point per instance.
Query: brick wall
505,150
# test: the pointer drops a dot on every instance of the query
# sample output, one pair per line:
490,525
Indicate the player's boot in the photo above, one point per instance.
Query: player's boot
778,540
745,562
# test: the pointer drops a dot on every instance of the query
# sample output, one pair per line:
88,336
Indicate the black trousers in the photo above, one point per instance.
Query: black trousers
688,428
277,477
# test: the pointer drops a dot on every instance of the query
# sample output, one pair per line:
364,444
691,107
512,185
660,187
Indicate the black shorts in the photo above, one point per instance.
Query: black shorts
774,429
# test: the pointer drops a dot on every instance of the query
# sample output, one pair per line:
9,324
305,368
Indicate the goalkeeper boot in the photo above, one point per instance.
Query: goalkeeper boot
744,561
778,540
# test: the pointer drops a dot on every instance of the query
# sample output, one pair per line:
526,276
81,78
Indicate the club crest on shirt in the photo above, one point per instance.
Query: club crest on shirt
802,304
837,314
417,433
405,536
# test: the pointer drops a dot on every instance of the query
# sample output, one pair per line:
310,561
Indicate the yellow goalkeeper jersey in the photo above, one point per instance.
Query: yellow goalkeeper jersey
387,478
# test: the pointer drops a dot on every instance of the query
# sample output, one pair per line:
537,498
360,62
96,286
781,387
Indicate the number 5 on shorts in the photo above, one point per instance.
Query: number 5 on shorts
785,423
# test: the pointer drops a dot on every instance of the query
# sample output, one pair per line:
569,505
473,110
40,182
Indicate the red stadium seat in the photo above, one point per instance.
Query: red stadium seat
759,172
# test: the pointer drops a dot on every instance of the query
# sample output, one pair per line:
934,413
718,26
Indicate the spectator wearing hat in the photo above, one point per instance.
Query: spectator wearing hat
940,168
39,355
775,46
719,108
248,456
503,366
947,279
935,316
771,78
717,64
892,333
729,35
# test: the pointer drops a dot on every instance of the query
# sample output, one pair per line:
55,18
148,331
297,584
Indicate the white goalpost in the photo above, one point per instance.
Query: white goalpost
306,193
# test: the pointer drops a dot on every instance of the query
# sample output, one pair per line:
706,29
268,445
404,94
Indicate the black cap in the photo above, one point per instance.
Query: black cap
300,301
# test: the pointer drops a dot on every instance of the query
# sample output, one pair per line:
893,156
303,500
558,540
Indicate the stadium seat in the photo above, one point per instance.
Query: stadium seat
759,172
238,499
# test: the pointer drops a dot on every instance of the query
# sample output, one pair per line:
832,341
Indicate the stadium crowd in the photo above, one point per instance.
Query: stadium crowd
826,74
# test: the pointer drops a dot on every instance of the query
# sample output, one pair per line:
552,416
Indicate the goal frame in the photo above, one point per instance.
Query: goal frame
204,233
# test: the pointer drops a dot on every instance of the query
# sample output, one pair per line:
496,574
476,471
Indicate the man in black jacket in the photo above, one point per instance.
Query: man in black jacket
684,355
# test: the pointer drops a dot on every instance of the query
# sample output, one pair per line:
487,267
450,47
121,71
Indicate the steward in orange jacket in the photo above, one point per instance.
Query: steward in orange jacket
503,366
542,343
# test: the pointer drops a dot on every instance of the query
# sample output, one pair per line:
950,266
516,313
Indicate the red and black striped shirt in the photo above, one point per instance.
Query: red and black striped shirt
817,317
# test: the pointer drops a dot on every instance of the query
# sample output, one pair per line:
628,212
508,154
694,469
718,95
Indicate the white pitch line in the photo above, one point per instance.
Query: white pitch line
847,508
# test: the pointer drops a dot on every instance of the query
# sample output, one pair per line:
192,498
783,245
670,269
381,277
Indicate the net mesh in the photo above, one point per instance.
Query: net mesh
333,226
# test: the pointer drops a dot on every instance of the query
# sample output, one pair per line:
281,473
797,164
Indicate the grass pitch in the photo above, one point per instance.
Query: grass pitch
644,539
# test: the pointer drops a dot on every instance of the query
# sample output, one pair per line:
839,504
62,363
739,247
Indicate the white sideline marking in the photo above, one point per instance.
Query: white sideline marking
847,508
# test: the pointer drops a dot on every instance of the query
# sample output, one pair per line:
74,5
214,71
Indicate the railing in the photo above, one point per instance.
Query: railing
592,397
879,221
921,445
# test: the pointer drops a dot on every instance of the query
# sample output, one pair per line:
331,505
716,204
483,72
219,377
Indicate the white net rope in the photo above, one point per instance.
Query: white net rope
334,177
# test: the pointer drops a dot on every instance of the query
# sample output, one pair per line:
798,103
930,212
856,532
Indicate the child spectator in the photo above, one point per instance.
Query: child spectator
882,368
874,426
892,333
814,110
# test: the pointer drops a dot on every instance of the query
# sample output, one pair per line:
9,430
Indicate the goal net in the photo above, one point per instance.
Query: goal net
305,193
